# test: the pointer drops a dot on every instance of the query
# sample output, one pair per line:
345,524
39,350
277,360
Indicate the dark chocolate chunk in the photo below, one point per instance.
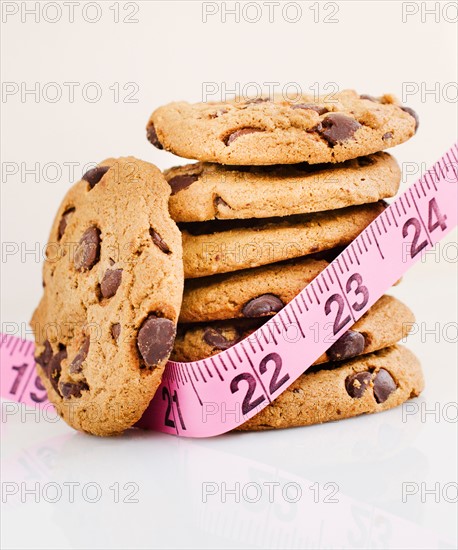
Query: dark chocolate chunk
262,305
215,339
218,201
387,135
159,241
350,344
178,183
242,132
80,357
336,128
218,113
94,175
384,385
72,389
155,339
115,330
310,106
45,356
110,282
257,100
88,251
64,222
152,136
414,115
356,384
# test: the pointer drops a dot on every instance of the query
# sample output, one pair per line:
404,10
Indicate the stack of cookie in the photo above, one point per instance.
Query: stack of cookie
279,189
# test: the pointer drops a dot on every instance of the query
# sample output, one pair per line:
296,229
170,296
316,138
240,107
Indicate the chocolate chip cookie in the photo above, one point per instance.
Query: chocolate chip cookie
249,293
387,322
372,383
113,283
222,246
274,130
204,191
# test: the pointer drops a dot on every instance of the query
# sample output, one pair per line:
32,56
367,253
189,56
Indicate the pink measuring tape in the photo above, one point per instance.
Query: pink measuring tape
215,395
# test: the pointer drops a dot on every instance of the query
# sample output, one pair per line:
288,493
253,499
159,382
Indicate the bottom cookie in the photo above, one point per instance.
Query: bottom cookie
372,383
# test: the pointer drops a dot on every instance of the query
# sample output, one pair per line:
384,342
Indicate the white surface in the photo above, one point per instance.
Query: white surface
169,54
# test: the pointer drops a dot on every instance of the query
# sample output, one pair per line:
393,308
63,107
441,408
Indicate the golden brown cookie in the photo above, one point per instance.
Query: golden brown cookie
222,246
251,293
204,191
267,131
113,282
386,322
368,384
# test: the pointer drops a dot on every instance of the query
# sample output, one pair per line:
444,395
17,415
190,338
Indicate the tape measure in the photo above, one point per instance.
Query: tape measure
215,395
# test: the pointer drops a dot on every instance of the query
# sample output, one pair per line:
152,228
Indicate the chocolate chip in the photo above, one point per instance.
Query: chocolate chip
110,282
155,339
356,384
262,305
257,100
88,252
414,115
152,136
365,161
94,175
336,128
311,107
388,135
369,97
64,222
178,183
350,344
75,365
215,339
72,389
218,113
115,330
45,356
159,241
235,135
384,385
218,201
55,368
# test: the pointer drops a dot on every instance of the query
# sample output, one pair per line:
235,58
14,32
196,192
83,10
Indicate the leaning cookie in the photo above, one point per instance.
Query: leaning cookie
265,131
372,383
222,246
204,191
113,282
388,321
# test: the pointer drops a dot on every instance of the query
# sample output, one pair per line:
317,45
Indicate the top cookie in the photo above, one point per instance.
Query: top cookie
113,281
275,131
